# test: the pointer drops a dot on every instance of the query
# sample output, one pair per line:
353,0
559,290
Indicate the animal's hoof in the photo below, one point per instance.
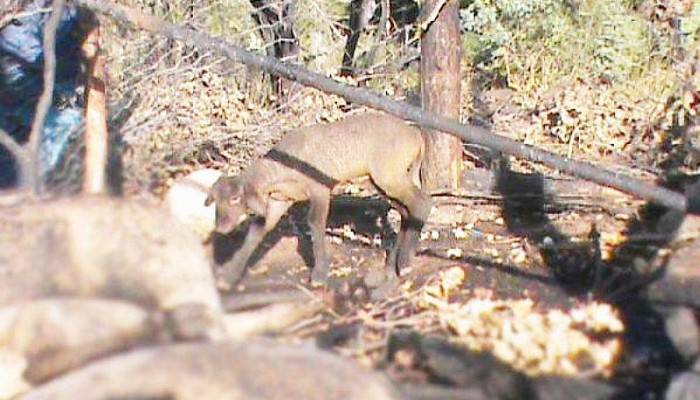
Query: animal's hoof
222,284
375,278
226,279
319,278
386,289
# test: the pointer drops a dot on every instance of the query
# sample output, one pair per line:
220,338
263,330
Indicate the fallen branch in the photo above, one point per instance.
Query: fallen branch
271,319
471,134
243,301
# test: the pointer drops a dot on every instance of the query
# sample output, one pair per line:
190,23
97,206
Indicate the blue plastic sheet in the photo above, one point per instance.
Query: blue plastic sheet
21,83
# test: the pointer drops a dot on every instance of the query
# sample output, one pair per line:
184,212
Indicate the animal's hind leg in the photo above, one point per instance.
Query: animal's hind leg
418,205
414,208
400,237
318,217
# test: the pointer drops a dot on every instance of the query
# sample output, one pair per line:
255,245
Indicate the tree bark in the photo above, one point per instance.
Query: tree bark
440,90
360,13
96,132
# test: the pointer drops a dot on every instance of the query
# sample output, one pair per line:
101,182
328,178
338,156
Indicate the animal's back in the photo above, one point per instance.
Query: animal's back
345,149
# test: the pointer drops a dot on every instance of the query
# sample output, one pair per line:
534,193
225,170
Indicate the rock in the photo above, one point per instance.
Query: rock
185,200
479,375
56,335
559,387
258,369
678,282
12,381
684,386
476,372
109,248
682,329
451,363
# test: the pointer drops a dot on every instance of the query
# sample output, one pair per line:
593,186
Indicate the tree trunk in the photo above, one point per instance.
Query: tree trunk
361,12
96,131
440,90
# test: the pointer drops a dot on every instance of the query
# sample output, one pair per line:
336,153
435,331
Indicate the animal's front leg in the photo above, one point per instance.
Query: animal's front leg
234,269
418,206
274,211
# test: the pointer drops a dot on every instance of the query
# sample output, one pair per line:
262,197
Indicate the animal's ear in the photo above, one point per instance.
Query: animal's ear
215,191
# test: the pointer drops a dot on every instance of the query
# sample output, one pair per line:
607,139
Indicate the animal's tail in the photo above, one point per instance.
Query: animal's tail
415,169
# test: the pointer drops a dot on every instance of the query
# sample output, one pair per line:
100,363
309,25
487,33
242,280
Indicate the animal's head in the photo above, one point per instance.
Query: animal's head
227,195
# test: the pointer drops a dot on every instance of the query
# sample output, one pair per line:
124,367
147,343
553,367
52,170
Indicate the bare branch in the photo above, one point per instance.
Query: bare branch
428,16
382,32
469,133
18,152
42,107
6,19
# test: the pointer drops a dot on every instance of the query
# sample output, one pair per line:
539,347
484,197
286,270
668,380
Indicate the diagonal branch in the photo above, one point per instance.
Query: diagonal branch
9,17
468,133
428,16
16,150
31,177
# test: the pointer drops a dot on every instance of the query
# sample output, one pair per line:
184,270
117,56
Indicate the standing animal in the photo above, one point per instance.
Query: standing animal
306,164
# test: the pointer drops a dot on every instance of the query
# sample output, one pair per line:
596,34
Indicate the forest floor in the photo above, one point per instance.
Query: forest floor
513,258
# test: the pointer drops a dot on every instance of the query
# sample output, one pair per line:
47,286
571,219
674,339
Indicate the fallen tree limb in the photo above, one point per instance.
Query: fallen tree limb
471,134
269,320
242,301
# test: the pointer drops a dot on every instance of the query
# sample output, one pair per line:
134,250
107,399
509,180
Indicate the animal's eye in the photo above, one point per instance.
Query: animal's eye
16,22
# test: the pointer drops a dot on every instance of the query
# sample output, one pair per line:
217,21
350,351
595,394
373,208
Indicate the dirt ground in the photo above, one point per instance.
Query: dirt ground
560,244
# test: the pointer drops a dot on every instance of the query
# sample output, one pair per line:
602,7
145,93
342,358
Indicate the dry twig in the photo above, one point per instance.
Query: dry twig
7,18
17,151
31,177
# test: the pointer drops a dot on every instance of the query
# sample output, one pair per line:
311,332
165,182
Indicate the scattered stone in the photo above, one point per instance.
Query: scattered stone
682,329
258,369
684,386
559,387
678,282
56,335
109,248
